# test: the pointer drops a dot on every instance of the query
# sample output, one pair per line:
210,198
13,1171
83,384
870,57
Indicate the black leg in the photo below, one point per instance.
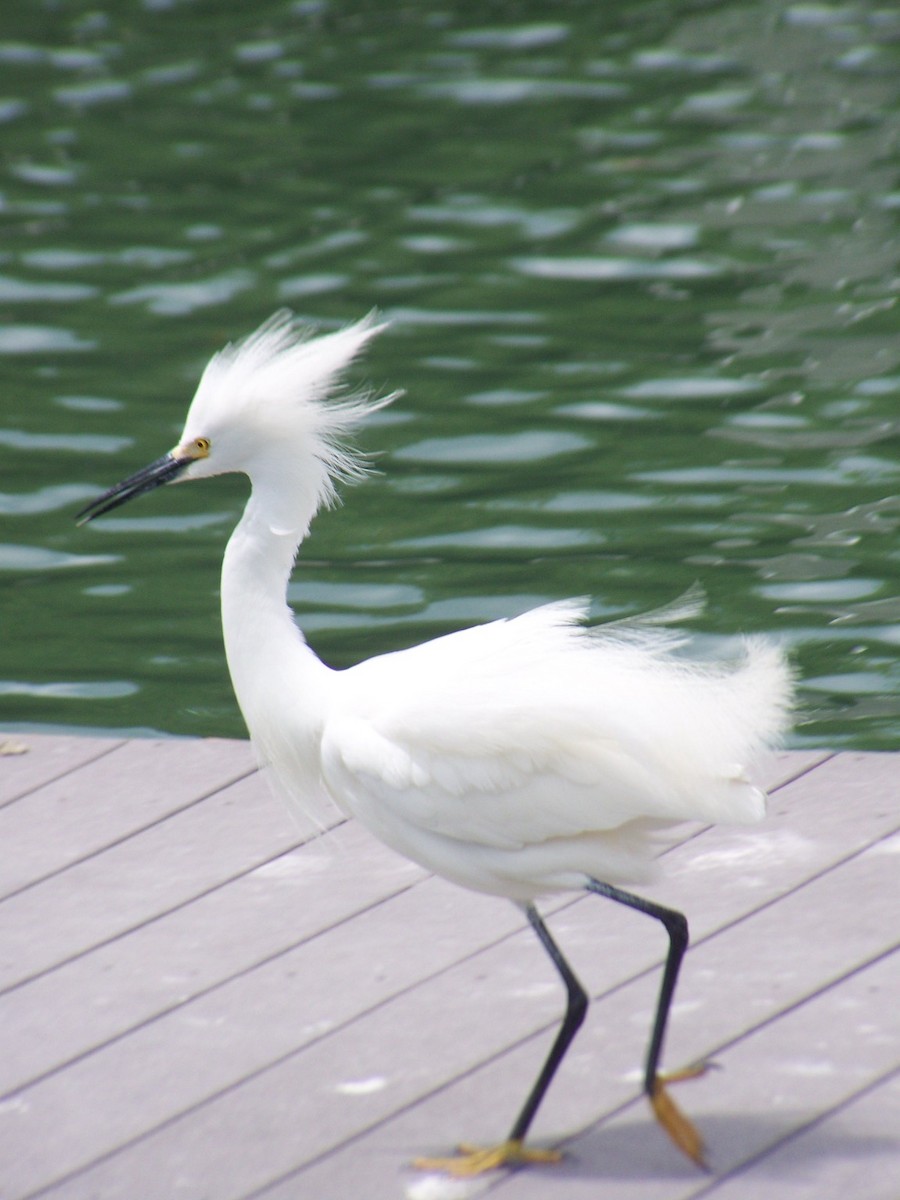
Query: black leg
473,1160
673,1121
576,1007
677,929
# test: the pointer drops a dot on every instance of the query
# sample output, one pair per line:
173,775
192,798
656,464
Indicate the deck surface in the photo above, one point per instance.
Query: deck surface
199,1000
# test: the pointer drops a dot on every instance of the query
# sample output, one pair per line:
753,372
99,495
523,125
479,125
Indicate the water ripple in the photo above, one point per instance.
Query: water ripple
355,595
521,90
155,524
486,212
734,474
819,591
15,557
110,689
21,291
593,269
482,448
431,316
97,91
45,499
77,443
498,538
179,299
40,339
44,174
671,235
310,285
531,36
689,388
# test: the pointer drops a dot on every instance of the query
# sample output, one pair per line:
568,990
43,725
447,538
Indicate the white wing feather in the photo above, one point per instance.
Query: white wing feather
535,729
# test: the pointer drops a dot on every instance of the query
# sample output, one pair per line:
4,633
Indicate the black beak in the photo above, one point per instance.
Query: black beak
164,470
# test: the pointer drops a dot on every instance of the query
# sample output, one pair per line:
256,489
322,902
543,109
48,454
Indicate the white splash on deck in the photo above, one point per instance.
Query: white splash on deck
362,1087
746,850
444,1187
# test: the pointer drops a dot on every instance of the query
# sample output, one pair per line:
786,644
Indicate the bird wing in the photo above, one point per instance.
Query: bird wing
535,728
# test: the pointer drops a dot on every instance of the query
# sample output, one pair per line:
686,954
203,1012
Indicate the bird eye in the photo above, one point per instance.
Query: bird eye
202,446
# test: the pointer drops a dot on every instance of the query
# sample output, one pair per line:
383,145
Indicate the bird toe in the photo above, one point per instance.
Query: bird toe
476,1160
680,1128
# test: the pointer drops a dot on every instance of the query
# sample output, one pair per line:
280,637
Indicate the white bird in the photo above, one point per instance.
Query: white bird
523,757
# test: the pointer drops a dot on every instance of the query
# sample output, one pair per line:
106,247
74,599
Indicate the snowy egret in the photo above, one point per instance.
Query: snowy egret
522,757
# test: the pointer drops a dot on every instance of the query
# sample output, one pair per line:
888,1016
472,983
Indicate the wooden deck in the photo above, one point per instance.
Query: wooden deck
198,1001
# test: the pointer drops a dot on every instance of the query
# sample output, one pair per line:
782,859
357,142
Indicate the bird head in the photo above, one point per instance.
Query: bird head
265,406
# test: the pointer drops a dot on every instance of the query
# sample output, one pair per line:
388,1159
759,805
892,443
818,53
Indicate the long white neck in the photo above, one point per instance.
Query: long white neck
283,689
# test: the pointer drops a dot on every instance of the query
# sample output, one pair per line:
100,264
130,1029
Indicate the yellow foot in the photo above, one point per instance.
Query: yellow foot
475,1160
680,1129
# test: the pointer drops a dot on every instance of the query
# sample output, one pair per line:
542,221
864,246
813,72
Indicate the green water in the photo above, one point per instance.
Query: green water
640,261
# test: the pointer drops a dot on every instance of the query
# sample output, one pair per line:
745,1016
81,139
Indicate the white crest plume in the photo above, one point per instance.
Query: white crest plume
272,397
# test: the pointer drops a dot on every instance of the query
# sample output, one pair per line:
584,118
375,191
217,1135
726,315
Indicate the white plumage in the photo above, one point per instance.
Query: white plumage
519,757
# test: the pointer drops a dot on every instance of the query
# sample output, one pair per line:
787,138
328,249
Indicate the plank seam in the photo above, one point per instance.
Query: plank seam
127,837
210,990
157,916
282,1058
613,1113
72,770
735,1172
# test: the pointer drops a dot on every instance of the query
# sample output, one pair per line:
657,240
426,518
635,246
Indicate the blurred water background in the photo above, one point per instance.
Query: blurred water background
640,261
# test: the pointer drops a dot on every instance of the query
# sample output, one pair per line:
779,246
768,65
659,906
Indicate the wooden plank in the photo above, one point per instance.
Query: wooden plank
139,879
853,1151
787,1072
101,995
47,757
262,1129
787,765
236,1030
110,798
790,765
785,1076
519,1007
165,962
